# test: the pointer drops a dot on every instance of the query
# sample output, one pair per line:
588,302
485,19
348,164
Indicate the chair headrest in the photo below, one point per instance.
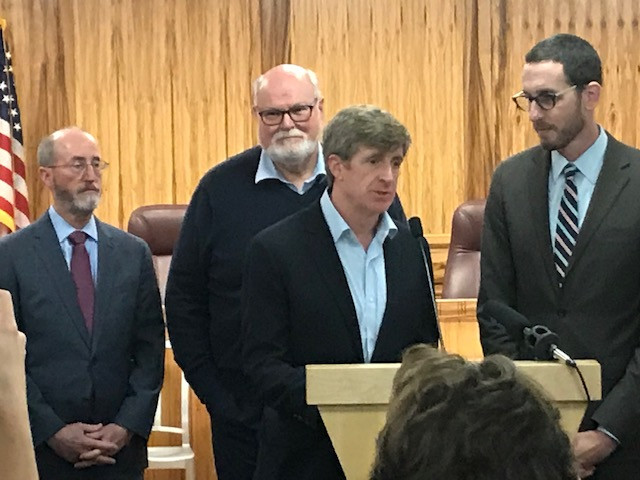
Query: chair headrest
158,225
467,223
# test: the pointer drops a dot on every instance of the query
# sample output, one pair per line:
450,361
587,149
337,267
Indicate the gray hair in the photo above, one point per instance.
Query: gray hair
362,126
296,70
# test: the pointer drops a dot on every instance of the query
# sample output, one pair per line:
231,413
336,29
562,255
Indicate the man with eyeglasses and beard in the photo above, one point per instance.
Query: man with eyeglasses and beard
233,202
561,245
86,297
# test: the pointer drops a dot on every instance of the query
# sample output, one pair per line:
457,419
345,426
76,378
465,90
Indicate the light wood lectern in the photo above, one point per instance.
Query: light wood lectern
353,399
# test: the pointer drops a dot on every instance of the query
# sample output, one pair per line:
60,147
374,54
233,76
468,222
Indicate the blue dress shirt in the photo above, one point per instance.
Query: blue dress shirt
63,230
589,165
365,271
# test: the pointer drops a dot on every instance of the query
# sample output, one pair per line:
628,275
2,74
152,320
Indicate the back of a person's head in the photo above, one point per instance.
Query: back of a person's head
450,419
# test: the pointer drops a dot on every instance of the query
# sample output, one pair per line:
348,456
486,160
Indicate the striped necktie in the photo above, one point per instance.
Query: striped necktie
567,226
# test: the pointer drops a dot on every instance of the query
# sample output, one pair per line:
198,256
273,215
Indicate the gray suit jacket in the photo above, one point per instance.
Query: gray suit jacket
111,375
597,312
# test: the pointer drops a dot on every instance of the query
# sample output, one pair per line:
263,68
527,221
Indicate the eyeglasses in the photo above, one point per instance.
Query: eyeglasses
79,167
545,100
297,113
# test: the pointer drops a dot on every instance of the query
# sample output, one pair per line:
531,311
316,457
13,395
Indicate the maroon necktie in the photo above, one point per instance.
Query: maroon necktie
81,273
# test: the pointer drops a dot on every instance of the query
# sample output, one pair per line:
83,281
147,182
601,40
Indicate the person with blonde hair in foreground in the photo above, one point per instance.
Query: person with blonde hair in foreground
17,459
450,419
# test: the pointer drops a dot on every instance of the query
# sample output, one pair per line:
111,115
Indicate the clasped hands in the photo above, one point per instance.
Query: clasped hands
85,444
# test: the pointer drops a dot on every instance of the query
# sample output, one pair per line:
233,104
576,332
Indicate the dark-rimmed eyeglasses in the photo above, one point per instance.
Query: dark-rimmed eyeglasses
297,113
79,167
545,100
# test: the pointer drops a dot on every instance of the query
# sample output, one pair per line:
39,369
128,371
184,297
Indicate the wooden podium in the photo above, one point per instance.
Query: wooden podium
353,399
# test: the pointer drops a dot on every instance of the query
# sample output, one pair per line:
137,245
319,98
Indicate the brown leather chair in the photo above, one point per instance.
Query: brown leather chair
159,226
462,272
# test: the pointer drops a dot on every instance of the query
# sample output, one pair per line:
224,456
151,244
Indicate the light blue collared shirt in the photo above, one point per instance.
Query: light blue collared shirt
589,165
267,170
63,230
365,271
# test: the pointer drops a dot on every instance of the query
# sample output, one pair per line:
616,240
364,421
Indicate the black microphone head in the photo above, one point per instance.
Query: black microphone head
513,321
542,341
415,225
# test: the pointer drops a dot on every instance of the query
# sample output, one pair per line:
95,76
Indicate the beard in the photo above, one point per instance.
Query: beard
294,156
563,135
81,203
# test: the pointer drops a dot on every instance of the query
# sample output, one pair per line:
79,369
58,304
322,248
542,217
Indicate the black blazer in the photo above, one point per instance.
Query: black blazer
113,375
597,312
297,310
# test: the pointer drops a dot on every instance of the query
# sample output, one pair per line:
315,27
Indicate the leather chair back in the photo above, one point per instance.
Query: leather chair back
159,226
462,271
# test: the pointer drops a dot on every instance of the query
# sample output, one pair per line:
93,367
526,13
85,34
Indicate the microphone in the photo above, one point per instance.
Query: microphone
542,341
415,226
544,344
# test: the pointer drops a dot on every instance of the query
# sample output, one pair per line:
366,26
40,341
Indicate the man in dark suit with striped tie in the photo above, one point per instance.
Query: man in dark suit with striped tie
561,245
86,297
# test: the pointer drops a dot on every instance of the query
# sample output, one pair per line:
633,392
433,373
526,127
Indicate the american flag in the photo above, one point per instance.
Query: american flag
14,203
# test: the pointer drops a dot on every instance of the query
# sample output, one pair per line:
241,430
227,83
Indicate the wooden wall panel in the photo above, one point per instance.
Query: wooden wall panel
165,85
398,55
91,69
144,101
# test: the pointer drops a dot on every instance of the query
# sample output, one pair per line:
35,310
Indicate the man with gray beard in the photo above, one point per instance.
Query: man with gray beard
86,297
233,202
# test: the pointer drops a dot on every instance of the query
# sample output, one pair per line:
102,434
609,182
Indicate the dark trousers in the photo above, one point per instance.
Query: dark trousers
235,449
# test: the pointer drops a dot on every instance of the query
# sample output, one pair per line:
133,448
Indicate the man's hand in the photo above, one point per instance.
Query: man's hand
590,448
112,433
73,440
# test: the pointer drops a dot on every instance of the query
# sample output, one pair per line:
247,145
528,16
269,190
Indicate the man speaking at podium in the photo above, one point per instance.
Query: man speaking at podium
561,245
338,282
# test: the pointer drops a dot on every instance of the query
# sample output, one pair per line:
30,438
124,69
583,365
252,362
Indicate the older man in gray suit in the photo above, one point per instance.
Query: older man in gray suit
86,297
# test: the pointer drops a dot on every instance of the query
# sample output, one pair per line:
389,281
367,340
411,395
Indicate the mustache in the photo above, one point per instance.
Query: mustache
540,125
294,132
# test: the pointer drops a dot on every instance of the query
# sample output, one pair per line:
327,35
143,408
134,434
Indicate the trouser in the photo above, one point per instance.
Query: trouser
235,449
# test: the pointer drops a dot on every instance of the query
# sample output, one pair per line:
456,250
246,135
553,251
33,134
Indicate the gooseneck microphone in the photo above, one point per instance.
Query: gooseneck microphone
542,341
415,226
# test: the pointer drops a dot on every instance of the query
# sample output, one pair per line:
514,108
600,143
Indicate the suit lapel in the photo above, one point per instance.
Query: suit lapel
48,249
613,178
539,205
105,283
321,247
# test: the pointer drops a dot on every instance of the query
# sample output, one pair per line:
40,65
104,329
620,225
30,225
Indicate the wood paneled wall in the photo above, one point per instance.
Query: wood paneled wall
165,86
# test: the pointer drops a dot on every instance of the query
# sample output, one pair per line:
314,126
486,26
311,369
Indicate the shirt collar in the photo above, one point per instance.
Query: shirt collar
268,171
63,229
589,163
339,227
